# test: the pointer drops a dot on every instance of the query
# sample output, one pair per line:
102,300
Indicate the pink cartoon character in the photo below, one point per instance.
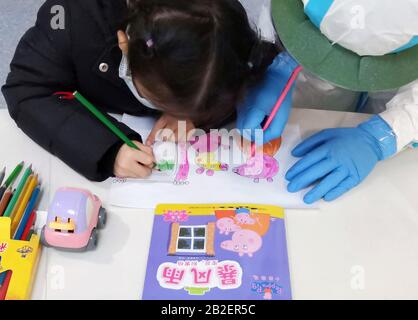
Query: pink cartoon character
227,225
259,167
243,242
206,147
243,218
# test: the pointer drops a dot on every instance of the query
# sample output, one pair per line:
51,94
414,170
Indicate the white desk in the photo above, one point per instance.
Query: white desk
363,246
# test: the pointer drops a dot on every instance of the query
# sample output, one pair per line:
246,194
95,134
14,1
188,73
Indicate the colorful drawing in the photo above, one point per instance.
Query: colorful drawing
206,147
259,167
165,154
213,257
227,225
207,162
176,216
244,218
184,167
243,242
256,221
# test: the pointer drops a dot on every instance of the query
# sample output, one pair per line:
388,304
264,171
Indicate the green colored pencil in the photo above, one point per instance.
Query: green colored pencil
104,120
15,173
16,195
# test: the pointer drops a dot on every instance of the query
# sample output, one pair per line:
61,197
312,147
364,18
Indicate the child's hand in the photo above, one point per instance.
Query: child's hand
131,163
167,129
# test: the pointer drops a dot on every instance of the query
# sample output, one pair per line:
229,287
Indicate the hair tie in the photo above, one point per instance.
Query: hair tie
250,65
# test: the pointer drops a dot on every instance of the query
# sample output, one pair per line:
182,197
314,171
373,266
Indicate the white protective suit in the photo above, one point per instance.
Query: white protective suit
399,109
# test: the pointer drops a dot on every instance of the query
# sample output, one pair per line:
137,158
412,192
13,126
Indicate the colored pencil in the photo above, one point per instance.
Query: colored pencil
26,220
5,284
26,215
104,120
5,200
30,234
2,191
17,216
16,195
20,199
28,226
15,173
279,103
2,174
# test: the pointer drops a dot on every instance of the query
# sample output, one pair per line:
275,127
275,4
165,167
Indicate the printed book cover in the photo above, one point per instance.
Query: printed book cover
218,252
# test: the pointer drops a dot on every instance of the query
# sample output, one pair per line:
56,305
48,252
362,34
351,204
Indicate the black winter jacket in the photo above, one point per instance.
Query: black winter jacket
83,56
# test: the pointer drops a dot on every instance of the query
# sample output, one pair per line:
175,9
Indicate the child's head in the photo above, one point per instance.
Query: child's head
194,58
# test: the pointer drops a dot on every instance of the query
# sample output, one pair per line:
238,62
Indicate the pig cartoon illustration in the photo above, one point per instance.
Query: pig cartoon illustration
243,242
259,167
227,225
244,218
207,161
206,147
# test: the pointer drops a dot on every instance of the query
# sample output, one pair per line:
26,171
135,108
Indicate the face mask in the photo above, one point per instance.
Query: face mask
126,75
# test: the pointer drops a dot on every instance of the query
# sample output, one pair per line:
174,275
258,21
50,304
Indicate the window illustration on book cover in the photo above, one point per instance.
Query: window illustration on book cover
215,252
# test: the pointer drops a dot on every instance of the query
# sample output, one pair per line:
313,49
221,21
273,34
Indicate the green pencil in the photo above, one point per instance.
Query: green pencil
104,120
19,189
15,173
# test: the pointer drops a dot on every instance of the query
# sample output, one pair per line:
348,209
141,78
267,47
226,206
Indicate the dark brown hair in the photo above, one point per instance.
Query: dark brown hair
197,57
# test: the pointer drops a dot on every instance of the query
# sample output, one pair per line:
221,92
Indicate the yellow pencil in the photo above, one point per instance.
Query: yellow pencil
19,200
31,185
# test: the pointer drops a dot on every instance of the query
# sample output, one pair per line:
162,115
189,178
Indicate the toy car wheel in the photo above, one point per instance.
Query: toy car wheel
92,244
102,218
43,240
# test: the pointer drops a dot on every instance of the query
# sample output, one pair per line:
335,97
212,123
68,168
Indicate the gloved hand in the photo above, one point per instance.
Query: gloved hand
261,100
340,159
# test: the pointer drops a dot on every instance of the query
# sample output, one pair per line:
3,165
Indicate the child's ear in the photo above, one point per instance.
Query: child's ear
123,41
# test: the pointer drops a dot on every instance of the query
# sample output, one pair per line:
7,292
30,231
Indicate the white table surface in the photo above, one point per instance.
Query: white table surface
362,246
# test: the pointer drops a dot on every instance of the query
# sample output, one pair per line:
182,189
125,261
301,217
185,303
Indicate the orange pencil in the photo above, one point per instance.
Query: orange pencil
5,200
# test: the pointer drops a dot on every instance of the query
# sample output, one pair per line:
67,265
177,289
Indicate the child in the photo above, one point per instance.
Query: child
178,60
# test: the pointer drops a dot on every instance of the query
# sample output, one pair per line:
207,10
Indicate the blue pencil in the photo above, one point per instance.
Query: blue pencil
26,215
23,222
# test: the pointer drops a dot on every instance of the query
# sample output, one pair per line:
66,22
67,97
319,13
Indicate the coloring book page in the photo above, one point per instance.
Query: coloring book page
213,169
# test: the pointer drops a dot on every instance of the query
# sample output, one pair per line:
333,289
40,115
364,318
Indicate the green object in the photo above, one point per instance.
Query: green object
196,291
15,173
17,193
165,166
335,64
104,120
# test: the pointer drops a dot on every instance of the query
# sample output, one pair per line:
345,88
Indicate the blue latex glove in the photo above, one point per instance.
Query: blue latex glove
261,100
340,159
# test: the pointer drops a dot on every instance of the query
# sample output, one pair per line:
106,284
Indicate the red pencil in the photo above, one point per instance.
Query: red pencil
28,226
5,286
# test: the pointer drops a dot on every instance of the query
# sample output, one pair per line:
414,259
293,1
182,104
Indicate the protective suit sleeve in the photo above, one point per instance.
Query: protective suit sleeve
402,115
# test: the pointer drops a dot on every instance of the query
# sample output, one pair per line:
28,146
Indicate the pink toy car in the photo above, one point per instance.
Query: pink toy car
74,217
